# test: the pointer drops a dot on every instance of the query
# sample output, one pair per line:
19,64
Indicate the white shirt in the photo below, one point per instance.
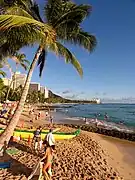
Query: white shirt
50,139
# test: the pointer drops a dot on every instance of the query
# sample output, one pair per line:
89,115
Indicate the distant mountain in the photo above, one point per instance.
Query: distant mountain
52,95
54,98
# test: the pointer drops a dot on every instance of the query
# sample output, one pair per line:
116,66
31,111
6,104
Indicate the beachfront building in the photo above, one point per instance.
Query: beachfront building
18,79
34,86
6,81
42,89
45,91
97,100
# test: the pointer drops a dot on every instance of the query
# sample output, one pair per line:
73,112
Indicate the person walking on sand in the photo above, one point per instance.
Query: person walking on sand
47,159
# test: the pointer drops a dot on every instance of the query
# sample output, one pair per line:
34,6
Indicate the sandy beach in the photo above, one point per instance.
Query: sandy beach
87,156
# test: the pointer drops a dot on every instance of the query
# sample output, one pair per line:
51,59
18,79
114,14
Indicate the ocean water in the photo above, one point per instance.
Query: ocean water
116,113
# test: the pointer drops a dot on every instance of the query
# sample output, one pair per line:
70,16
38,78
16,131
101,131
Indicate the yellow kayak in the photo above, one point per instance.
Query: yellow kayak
24,134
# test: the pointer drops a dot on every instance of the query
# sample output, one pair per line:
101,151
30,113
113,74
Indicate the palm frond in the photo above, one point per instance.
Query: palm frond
17,32
62,51
2,73
83,39
41,61
15,10
26,61
11,21
24,66
65,11
19,58
65,17
35,12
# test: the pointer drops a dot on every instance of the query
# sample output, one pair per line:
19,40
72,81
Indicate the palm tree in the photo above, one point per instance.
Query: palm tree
65,18
20,59
21,30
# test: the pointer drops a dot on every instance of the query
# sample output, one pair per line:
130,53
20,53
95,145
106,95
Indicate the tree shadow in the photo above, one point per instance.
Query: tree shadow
25,148
21,147
17,168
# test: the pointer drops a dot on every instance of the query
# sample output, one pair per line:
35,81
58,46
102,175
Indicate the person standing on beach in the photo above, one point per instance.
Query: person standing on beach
51,120
49,139
85,120
37,138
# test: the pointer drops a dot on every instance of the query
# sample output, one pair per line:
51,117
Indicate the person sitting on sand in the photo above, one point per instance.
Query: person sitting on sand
37,137
47,159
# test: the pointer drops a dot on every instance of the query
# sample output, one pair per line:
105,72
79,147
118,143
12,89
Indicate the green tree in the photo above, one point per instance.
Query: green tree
66,19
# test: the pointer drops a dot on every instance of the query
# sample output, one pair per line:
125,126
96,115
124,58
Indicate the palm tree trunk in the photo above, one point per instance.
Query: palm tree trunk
5,136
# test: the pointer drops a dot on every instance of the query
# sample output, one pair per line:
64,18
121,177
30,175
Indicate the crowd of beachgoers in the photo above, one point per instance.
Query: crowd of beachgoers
7,110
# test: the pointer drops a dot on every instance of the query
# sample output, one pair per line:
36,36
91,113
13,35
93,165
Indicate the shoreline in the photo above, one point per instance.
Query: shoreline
75,122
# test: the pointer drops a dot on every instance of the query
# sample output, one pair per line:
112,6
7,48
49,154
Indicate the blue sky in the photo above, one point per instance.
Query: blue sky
109,72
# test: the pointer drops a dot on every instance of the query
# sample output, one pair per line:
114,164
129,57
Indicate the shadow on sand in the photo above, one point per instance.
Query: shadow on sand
17,168
22,147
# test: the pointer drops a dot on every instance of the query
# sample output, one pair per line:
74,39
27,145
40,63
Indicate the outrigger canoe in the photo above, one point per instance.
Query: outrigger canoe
25,134
45,130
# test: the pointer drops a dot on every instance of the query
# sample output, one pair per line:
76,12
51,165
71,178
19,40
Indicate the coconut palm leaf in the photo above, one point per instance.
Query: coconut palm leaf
41,61
58,11
11,21
19,59
14,10
66,18
83,39
17,31
35,12
2,73
63,52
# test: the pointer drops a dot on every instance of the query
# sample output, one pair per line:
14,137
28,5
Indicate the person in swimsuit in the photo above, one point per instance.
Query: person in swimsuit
47,159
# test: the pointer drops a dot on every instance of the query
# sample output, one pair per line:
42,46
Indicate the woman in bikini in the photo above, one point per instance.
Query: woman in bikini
48,161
